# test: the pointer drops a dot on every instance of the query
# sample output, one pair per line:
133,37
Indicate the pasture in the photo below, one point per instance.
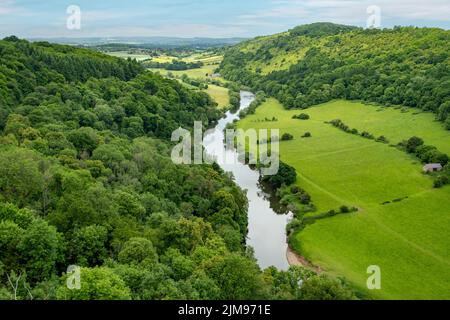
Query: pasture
126,55
409,239
219,94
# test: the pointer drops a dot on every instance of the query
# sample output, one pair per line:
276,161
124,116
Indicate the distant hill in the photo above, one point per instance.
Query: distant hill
315,63
147,42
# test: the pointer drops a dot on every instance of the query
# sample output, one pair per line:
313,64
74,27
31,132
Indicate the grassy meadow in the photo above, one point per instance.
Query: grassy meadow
219,94
210,63
410,239
126,55
198,73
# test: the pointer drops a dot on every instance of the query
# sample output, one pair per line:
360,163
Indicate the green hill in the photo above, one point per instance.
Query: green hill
319,62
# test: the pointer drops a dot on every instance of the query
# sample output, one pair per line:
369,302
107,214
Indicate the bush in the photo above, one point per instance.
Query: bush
367,135
441,181
302,116
307,135
286,175
382,139
345,209
413,143
287,137
430,154
332,213
304,198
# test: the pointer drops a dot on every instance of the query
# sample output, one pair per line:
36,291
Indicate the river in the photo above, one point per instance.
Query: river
267,229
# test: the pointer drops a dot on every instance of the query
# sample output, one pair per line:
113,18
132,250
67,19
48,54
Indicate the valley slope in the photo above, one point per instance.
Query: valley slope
402,223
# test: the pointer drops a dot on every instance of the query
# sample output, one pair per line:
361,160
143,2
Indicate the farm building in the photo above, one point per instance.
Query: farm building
432,167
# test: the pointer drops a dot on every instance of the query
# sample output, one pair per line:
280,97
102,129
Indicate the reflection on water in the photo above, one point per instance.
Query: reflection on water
267,234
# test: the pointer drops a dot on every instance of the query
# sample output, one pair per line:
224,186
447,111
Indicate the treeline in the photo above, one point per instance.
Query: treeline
429,154
365,134
401,66
25,66
260,98
176,65
86,179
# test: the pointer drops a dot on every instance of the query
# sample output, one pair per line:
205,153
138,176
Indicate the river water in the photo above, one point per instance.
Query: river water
267,228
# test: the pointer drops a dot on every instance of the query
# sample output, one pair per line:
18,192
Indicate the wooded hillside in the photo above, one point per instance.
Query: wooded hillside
316,63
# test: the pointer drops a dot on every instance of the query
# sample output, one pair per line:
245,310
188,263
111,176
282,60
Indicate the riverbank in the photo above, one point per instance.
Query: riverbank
295,259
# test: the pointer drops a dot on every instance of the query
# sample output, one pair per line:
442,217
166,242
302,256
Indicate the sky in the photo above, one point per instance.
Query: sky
205,18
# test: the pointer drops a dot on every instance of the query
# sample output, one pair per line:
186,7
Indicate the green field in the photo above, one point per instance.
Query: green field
409,240
198,73
126,55
206,58
219,94
211,63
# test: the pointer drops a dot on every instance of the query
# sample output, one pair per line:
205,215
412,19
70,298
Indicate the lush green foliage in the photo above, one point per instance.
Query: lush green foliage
86,179
286,174
176,65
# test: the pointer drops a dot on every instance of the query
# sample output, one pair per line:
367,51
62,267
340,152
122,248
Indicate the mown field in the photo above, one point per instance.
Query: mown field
126,55
409,240
211,63
198,73
219,94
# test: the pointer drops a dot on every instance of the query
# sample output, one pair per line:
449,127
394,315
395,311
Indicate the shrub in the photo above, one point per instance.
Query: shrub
302,116
304,198
307,135
286,175
430,154
345,209
441,181
287,136
336,122
367,135
382,139
413,143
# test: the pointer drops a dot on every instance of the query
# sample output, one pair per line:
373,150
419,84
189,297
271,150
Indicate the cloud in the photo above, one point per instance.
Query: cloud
168,30
350,10
212,18
6,7
102,15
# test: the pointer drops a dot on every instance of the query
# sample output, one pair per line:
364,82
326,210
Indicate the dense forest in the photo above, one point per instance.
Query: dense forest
316,63
86,179
176,65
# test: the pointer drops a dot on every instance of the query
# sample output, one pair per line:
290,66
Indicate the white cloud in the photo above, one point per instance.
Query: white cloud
182,30
6,7
351,11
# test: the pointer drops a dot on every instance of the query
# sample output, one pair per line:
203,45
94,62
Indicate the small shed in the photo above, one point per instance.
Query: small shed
432,167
